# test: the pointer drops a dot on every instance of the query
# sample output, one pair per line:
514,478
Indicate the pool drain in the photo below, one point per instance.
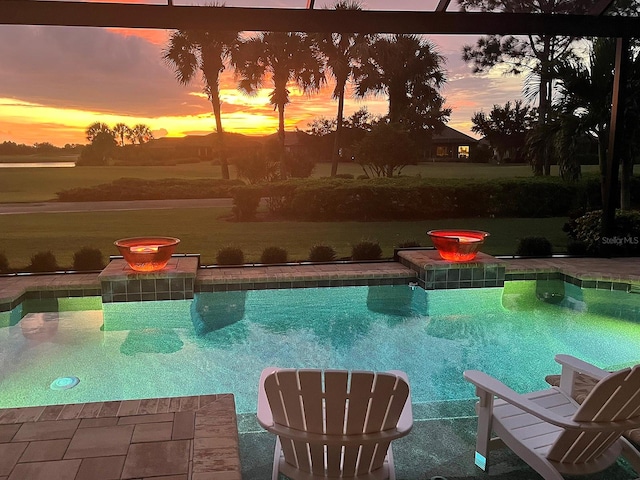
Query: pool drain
64,383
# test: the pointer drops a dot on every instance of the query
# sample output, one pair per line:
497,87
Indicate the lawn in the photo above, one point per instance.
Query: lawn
206,230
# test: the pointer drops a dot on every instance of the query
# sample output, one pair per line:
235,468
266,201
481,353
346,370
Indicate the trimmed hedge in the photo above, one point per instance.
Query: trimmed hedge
418,199
139,189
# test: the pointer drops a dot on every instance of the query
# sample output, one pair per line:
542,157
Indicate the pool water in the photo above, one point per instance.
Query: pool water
219,342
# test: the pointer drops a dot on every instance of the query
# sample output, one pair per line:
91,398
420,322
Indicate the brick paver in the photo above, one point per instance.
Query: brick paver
201,435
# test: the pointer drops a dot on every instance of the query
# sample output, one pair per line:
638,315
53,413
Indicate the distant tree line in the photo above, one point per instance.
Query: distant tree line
105,141
43,148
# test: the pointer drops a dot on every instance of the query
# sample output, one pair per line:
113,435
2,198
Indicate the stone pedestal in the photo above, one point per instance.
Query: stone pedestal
174,282
434,273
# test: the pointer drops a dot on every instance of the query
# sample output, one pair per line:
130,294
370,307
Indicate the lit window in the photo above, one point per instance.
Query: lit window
463,151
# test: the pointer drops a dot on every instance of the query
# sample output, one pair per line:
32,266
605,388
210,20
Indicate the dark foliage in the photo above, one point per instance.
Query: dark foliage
230,256
366,250
623,241
43,262
534,247
271,255
139,189
4,263
322,253
246,201
88,259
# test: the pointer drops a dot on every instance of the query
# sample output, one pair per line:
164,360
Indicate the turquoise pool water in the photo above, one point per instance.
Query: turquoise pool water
219,342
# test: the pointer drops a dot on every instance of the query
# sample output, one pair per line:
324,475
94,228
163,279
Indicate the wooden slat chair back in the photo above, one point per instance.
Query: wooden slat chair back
616,398
335,423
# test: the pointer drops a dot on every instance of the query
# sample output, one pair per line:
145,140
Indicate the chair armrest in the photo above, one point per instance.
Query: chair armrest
495,387
265,417
405,422
580,366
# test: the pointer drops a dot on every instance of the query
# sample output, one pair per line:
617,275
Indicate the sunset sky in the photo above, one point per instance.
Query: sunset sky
55,81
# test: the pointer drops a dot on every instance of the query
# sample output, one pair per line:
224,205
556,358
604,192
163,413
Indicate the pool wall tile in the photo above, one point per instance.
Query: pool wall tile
174,282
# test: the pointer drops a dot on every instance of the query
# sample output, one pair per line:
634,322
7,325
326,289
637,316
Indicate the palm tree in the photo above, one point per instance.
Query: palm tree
585,107
141,133
121,131
341,52
410,71
282,57
94,129
208,52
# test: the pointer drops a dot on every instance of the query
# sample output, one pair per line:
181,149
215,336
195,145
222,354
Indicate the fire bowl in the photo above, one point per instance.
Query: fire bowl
147,254
457,245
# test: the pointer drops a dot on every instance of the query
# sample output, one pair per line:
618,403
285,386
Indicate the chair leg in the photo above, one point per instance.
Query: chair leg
484,409
390,464
277,453
631,454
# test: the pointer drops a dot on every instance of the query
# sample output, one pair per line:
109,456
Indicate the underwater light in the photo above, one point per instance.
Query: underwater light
64,383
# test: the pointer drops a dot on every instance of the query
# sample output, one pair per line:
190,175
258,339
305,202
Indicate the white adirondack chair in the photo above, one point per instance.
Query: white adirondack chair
334,423
550,431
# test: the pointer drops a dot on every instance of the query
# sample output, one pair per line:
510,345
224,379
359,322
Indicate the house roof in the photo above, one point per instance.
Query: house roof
451,135
428,20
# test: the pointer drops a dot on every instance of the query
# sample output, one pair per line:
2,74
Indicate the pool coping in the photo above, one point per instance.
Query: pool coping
600,273
179,438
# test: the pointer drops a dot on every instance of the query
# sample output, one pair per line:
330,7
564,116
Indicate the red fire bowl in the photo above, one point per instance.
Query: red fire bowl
457,245
147,254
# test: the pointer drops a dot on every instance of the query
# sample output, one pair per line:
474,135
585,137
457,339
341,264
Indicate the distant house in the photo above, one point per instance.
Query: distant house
451,145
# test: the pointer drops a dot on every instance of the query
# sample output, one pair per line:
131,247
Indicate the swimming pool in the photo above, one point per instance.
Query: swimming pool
219,342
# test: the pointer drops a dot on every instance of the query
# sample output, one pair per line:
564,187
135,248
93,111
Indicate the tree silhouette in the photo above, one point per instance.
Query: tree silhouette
282,57
536,54
121,132
410,71
94,129
208,52
585,108
505,127
140,133
342,53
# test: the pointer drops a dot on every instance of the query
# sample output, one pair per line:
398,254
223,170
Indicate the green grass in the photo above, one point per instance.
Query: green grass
205,231
41,184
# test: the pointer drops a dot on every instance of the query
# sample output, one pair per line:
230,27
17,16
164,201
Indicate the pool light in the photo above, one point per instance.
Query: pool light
64,383
147,254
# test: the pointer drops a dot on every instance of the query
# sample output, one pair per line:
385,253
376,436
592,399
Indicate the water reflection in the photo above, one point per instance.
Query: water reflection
217,318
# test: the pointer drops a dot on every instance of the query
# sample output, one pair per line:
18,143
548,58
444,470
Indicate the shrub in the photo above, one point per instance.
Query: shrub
245,202
575,247
297,166
4,263
43,262
366,250
346,176
534,247
271,255
230,256
88,258
385,150
624,240
322,253
141,189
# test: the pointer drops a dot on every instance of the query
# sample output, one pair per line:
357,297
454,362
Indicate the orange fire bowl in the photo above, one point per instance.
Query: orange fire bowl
147,254
457,245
